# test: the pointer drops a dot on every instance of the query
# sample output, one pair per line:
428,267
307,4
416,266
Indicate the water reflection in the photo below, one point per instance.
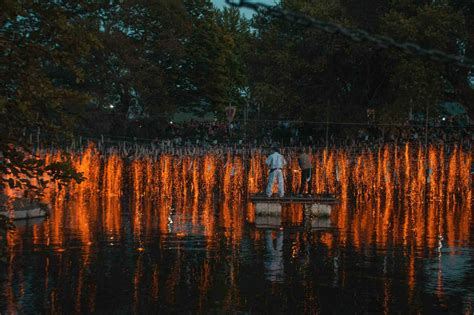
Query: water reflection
166,233
274,270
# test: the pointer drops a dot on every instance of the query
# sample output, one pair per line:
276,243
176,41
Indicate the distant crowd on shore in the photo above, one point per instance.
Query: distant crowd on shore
214,133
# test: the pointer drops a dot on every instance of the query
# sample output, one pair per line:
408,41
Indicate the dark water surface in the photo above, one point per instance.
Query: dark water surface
119,256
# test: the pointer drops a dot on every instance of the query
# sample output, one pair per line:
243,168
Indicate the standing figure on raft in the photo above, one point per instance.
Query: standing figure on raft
275,163
304,161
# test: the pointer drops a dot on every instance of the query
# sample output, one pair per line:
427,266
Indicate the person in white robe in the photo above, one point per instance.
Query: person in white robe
275,163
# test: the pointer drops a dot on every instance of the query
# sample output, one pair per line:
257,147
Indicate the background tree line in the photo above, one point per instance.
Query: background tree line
302,72
115,67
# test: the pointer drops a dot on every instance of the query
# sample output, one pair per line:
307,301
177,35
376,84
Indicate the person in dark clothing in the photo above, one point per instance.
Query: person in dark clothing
304,161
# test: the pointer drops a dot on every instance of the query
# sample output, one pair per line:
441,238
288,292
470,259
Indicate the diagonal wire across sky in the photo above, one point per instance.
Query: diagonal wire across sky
357,35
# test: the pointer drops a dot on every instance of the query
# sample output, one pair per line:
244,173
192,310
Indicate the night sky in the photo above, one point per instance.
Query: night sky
247,13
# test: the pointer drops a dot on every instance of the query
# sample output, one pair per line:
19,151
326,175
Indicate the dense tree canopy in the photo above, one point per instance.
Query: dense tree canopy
43,67
107,68
303,72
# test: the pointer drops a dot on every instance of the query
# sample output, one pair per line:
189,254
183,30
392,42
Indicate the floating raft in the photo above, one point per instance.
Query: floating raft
275,222
319,205
317,198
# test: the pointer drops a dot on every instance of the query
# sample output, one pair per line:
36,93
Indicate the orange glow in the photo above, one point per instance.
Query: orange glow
390,197
388,187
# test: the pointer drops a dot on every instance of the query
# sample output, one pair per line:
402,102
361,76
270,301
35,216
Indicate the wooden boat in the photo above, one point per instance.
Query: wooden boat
22,209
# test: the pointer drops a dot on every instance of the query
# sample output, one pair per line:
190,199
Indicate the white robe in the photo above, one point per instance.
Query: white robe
275,161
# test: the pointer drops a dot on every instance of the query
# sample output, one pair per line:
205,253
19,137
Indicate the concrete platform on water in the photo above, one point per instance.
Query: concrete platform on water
274,209
319,205
316,198
275,222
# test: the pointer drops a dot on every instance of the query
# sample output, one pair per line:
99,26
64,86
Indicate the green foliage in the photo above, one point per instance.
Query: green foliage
45,47
165,55
298,72
416,83
22,170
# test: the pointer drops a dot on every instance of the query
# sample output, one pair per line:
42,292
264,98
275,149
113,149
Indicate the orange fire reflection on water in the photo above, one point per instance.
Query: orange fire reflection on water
397,193
399,196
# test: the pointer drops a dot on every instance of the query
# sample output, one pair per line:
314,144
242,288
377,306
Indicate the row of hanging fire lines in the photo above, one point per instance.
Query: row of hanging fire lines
388,170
